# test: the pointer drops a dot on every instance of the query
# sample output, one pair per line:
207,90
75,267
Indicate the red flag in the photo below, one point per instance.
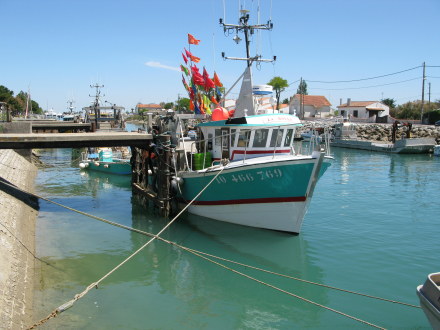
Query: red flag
198,79
187,52
208,82
213,100
191,105
217,80
192,40
185,58
194,68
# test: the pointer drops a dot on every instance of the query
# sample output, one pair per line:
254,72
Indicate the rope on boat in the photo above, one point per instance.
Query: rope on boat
70,303
202,255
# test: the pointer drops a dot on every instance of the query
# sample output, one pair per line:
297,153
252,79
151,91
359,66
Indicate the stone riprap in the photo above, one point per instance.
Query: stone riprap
17,244
380,132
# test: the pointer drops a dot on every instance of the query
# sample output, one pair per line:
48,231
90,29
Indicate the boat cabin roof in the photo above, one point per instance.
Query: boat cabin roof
257,120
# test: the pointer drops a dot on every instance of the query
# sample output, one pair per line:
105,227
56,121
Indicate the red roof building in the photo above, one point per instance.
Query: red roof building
312,106
147,107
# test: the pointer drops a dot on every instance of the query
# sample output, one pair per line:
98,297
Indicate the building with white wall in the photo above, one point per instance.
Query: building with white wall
370,111
313,105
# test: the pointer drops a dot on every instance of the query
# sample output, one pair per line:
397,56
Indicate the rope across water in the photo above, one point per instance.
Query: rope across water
202,255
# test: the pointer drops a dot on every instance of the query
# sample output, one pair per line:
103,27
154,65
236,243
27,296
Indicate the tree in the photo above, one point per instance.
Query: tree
182,104
5,94
36,108
285,101
413,110
302,88
389,102
168,105
279,85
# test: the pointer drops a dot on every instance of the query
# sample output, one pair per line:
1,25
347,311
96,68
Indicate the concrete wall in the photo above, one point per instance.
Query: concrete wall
16,127
17,244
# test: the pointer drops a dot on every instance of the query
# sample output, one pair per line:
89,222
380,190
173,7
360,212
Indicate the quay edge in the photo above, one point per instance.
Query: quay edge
17,243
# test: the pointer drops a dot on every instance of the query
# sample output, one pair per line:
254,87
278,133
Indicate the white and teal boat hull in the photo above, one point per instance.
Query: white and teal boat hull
119,167
270,193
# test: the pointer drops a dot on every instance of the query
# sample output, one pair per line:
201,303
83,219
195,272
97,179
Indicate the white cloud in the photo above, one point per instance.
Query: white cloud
163,66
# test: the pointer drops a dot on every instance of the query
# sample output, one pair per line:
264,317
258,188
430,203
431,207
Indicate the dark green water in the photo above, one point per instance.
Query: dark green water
372,227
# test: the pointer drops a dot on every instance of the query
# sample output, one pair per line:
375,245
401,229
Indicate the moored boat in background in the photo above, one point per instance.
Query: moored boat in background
105,160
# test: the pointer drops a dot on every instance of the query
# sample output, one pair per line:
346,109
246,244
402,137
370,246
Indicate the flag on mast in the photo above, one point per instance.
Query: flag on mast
192,40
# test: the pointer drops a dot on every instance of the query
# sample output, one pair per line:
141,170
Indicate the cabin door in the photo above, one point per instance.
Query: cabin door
226,138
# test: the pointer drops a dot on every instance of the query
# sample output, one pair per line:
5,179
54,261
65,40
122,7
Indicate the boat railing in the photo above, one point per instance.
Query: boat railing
204,142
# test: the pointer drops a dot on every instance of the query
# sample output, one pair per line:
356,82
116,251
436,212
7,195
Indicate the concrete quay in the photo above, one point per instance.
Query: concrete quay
73,140
17,244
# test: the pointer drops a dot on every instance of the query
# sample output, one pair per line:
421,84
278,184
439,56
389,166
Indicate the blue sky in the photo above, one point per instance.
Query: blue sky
58,48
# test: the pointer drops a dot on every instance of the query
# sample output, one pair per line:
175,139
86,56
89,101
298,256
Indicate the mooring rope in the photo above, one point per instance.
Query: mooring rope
289,293
217,257
70,303
202,255
302,280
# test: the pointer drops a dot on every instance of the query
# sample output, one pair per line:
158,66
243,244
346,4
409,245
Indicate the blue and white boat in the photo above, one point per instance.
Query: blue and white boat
264,181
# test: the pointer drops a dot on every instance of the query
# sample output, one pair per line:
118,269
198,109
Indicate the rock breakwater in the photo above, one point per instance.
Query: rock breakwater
381,132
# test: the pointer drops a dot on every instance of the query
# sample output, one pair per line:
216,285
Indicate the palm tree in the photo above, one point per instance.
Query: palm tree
279,85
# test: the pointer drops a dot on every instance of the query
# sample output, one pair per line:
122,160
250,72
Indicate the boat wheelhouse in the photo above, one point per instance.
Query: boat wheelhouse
249,137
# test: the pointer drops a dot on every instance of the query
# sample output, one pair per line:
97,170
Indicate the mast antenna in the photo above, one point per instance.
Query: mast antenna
247,30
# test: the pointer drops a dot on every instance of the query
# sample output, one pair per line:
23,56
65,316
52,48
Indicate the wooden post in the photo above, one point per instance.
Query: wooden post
163,175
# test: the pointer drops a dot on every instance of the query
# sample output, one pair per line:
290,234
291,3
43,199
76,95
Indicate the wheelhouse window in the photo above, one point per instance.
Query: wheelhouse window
277,137
233,137
289,137
260,138
218,138
243,138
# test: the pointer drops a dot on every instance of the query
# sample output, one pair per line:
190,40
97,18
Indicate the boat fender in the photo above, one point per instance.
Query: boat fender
96,163
106,165
176,183
83,165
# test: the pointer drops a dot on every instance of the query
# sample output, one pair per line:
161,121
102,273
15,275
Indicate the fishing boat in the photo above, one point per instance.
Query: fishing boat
429,295
106,161
260,179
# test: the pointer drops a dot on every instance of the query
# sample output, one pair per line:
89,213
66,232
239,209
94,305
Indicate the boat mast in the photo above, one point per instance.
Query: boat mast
245,103
246,29
96,102
71,107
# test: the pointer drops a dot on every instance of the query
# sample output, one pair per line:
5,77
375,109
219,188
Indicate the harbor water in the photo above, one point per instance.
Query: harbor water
372,227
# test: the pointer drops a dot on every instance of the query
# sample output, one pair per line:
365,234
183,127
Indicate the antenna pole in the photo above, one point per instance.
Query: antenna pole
423,93
96,102
246,29
244,20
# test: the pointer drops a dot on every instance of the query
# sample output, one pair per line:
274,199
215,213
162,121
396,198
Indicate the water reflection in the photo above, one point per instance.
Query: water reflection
199,283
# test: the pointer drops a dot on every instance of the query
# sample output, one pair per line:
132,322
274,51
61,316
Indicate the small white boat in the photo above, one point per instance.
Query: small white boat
429,295
311,134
